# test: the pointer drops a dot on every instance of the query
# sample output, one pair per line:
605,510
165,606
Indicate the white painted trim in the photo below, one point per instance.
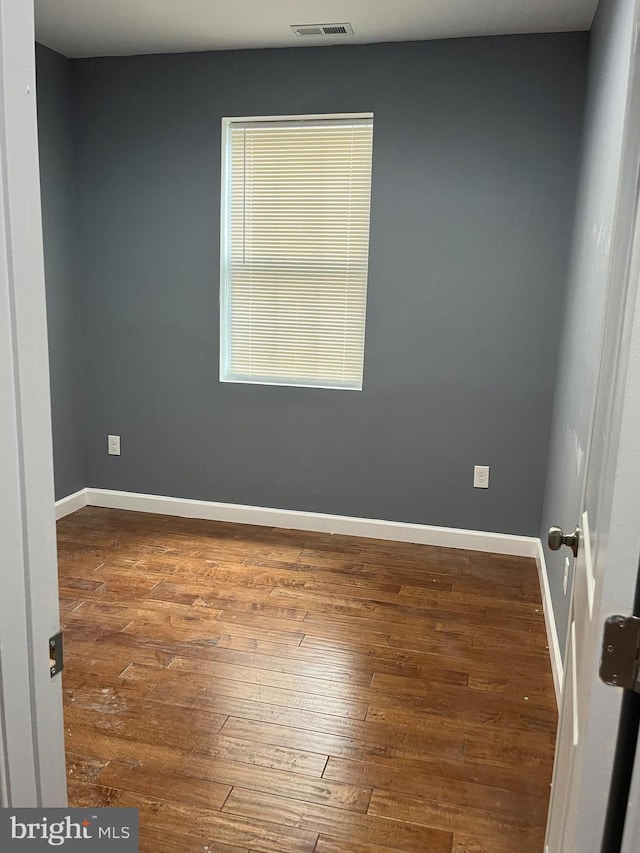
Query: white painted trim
31,712
65,506
422,534
550,622
446,537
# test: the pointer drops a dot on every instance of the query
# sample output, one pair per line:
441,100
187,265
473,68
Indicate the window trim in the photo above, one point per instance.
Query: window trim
225,244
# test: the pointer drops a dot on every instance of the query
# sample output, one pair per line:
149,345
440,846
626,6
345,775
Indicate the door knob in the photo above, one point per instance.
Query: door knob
557,538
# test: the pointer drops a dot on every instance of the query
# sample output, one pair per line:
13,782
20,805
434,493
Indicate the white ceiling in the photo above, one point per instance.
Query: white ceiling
122,27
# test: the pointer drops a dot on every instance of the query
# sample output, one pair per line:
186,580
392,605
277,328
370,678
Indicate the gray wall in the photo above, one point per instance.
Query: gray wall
475,150
586,299
57,178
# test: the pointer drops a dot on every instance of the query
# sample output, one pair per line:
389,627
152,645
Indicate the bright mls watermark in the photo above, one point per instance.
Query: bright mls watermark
104,830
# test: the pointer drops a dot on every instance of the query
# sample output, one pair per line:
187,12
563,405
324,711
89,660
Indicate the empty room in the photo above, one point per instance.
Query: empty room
323,387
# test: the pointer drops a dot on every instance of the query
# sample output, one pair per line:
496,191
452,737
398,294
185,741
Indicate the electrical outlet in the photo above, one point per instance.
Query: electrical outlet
565,579
480,476
113,444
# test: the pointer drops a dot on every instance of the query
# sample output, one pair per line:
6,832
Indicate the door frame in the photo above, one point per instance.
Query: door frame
615,415
32,765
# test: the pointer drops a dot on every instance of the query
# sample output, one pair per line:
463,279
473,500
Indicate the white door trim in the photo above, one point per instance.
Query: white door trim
33,732
17,762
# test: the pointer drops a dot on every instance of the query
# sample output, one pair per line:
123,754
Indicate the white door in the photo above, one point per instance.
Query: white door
32,769
606,567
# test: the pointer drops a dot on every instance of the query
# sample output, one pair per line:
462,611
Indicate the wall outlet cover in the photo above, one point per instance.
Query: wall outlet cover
480,476
113,445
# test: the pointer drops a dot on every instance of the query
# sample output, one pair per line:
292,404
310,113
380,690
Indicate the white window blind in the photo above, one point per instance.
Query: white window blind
295,247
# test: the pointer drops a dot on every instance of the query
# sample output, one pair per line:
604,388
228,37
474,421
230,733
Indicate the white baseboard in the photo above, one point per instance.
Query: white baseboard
422,534
447,537
65,506
550,622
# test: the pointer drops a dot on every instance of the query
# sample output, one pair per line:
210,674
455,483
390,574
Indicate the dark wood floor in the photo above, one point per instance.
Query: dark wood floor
254,689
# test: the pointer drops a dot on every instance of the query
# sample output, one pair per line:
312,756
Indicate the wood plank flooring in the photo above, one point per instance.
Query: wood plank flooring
255,690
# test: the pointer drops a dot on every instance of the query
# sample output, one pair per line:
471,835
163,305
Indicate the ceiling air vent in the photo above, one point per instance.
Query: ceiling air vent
321,30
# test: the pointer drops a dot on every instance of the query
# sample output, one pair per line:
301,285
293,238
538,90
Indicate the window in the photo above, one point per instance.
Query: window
294,249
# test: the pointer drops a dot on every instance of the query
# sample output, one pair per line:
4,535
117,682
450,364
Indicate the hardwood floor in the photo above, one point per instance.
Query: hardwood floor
254,690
